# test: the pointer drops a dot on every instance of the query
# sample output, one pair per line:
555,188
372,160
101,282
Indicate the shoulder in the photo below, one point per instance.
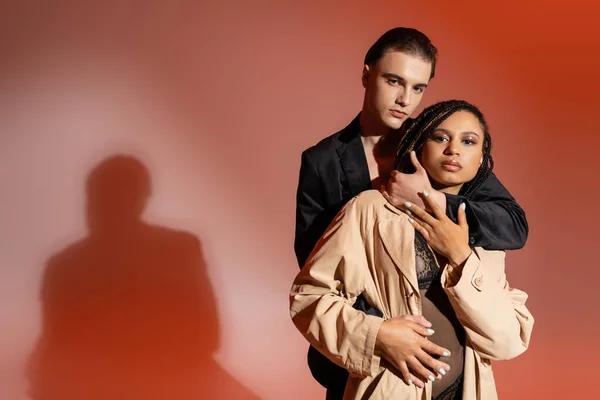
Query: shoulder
324,150
368,206
327,147
168,236
370,198
70,254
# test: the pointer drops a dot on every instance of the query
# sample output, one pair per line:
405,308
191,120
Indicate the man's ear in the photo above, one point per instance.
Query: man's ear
366,73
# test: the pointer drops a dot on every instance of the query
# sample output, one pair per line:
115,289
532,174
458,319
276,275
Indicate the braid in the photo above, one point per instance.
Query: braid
418,130
414,135
484,171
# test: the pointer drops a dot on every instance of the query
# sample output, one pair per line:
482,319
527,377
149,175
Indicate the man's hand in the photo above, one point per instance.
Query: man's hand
404,188
442,234
403,341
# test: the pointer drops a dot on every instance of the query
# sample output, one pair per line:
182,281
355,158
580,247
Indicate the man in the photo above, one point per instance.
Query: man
397,70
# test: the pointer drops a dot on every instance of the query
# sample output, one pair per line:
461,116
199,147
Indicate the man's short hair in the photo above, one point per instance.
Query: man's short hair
406,40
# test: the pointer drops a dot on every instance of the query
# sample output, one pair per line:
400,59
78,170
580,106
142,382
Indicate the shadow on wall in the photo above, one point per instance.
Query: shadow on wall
128,312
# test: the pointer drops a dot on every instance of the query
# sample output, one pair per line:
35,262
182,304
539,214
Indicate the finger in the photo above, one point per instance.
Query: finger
415,161
428,200
395,177
414,380
433,348
462,216
386,195
428,227
419,319
420,370
440,368
409,378
420,213
421,330
384,191
419,228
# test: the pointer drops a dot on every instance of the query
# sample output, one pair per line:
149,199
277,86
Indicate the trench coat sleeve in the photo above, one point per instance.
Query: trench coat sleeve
494,315
324,291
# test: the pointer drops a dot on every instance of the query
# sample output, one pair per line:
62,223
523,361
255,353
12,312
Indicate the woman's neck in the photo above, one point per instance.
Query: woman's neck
446,189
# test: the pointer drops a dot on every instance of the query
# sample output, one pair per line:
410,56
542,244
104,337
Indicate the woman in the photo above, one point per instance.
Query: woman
416,268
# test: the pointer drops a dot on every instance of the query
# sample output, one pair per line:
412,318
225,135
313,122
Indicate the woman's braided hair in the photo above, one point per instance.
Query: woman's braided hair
418,130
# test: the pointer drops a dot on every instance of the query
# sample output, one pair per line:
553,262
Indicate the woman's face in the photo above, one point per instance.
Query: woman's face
453,152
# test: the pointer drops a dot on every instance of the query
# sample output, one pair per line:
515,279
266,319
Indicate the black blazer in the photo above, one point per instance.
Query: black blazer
335,170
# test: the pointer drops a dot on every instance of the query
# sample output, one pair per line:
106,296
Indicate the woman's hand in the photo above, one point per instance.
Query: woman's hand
403,342
442,234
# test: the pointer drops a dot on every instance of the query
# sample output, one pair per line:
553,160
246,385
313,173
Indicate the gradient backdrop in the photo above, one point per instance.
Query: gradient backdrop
217,99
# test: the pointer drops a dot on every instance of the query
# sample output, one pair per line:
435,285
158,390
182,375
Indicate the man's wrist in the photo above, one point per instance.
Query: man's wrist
439,197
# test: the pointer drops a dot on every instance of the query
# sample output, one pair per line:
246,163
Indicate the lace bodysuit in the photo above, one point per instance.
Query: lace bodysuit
437,309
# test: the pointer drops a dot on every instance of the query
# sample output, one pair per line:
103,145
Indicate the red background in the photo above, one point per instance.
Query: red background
218,99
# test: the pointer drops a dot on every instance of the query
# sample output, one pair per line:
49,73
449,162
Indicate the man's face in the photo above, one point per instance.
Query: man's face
394,87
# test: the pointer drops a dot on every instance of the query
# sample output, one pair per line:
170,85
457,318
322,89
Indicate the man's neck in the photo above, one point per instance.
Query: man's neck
371,129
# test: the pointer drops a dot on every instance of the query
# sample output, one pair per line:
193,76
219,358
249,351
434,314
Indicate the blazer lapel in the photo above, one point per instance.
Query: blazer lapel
353,159
398,240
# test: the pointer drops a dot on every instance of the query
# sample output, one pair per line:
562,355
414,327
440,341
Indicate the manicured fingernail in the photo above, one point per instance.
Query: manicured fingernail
463,206
408,212
412,221
442,371
425,193
446,354
431,378
407,204
409,383
430,331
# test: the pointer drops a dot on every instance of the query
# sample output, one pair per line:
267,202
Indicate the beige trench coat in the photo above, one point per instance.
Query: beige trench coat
369,249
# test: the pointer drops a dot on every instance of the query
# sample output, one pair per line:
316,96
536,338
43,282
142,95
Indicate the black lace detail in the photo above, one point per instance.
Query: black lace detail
427,268
452,392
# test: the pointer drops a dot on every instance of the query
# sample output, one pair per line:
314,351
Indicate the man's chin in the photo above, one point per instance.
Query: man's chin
394,123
